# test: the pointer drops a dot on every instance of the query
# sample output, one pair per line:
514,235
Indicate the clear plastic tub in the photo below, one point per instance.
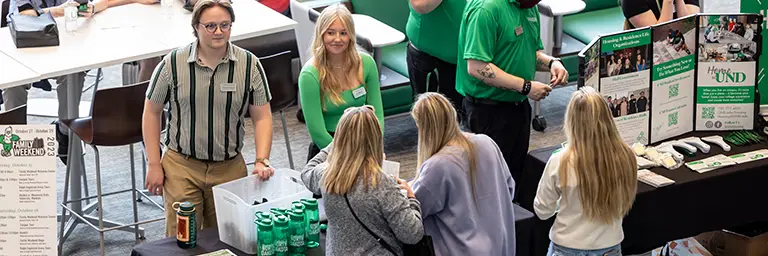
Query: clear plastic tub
235,209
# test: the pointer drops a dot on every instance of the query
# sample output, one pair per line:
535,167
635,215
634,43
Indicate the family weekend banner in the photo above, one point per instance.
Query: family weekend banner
693,73
28,190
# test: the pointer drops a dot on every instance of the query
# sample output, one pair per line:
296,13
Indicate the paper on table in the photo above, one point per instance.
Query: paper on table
750,156
222,252
710,163
391,168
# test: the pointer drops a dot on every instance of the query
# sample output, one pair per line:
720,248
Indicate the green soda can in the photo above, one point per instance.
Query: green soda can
186,224
266,240
296,228
281,232
313,219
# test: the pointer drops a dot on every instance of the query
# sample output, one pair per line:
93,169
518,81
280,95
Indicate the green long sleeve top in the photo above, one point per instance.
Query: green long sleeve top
320,122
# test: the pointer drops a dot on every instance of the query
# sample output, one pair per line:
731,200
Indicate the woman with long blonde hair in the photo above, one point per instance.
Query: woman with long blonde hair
348,175
463,183
336,78
590,184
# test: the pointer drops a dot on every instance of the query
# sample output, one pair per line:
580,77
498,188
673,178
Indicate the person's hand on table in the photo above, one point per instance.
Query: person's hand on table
88,12
559,74
539,91
155,178
147,2
262,171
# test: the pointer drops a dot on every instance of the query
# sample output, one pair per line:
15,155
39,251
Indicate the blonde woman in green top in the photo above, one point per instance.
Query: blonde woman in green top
336,78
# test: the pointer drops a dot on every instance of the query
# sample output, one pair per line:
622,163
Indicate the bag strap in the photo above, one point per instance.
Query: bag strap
378,239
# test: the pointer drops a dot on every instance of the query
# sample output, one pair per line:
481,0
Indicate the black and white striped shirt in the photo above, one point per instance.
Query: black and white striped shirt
207,106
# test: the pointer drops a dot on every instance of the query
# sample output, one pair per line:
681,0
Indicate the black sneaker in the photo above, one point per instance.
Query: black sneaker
63,140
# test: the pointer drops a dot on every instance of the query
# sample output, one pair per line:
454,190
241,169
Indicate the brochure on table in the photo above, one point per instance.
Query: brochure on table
28,190
671,79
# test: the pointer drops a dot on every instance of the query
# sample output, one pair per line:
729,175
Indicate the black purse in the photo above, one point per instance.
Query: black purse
30,31
422,248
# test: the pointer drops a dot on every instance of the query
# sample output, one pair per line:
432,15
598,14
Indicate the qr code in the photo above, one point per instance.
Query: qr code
708,113
673,90
672,119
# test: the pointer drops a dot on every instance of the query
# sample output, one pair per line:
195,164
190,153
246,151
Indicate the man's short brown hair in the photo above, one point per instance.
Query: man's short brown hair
203,5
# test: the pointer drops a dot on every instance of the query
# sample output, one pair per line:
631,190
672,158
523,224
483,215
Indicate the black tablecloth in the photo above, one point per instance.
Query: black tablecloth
696,203
208,240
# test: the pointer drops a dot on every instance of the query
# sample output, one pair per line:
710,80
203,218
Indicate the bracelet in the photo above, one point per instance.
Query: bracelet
526,87
553,61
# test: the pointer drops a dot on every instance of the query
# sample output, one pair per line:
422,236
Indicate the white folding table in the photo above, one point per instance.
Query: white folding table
15,73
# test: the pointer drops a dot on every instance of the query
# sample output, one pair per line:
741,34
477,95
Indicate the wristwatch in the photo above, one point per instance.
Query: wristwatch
526,87
553,61
264,161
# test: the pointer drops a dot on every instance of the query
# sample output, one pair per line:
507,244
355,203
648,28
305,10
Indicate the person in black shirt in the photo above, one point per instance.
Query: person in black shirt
610,104
643,13
627,67
632,104
642,102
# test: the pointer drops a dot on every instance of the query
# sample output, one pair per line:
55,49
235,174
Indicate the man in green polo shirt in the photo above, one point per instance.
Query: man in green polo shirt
499,53
433,31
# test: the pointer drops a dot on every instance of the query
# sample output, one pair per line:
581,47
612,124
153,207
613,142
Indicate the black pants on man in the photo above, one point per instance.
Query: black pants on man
508,124
430,74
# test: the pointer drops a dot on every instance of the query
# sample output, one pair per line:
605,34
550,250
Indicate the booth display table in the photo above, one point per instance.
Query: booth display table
208,240
696,203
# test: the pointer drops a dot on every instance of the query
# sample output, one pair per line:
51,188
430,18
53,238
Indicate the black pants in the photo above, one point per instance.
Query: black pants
430,74
313,149
508,124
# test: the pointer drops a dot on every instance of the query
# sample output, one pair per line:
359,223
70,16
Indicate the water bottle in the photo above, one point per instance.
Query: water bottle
167,6
296,228
266,240
70,18
281,232
312,215
186,224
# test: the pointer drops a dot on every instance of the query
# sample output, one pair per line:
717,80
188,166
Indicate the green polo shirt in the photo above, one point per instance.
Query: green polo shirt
437,32
499,32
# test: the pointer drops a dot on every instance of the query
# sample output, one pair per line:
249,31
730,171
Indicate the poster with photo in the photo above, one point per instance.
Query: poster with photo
727,65
674,63
757,35
28,190
625,82
589,64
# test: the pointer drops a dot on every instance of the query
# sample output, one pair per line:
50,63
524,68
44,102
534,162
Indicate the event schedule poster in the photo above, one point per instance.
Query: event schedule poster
589,59
727,72
674,62
624,82
28,190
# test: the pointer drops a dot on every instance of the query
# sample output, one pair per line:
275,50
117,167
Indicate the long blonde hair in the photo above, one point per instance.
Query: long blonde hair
358,149
329,84
437,126
604,166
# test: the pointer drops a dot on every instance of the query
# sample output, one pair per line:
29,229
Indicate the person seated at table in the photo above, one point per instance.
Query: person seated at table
209,84
461,176
336,77
357,193
17,96
643,13
590,184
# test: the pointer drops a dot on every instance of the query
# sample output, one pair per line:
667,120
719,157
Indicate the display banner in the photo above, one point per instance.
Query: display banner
28,190
674,65
727,72
625,82
589,65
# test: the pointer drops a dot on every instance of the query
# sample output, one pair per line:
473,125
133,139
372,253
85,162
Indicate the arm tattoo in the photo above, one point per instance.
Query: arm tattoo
486,72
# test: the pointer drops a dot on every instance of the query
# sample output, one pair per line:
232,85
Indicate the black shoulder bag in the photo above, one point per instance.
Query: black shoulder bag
31,31
423,248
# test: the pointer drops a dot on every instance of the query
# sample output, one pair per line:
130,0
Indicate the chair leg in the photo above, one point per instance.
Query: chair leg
85,187
143,171
133,193
99,198
64,210
287,140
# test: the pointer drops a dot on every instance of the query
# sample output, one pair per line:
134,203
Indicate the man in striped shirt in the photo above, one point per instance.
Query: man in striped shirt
208,85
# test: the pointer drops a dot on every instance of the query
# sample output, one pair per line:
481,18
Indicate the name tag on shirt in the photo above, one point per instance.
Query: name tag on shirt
519,30
228,87
359,92
532,19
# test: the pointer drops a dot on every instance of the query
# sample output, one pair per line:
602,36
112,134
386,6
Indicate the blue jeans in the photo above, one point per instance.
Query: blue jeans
556,250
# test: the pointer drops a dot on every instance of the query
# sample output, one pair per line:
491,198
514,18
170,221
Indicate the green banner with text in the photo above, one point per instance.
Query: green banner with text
625,40
674,67
725,94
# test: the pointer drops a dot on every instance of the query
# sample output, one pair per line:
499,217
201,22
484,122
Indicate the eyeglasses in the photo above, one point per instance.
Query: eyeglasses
211,27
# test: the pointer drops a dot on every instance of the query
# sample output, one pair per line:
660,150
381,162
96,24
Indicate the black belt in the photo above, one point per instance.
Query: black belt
492,102
205,160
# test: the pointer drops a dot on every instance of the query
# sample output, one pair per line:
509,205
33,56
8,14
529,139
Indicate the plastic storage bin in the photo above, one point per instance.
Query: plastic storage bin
235,209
